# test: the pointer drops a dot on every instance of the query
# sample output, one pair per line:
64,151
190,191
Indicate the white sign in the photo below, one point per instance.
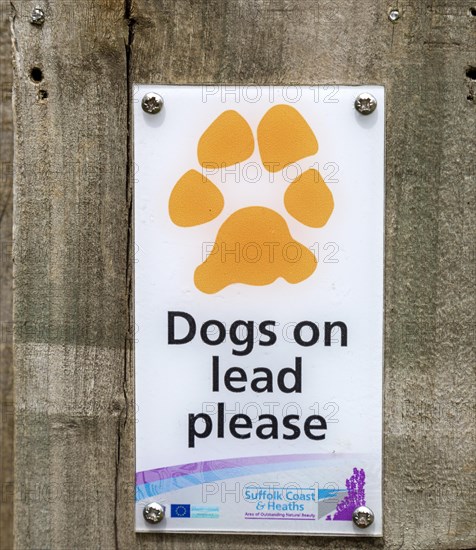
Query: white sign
258,309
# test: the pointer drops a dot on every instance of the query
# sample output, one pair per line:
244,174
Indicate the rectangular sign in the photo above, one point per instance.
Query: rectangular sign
258,308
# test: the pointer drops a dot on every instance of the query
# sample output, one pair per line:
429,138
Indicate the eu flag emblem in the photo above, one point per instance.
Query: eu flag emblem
180,510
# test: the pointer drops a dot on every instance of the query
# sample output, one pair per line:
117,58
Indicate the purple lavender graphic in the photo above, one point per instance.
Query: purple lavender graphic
355,496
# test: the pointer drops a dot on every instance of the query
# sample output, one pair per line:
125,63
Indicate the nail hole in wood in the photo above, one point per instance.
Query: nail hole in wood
471,73
36,74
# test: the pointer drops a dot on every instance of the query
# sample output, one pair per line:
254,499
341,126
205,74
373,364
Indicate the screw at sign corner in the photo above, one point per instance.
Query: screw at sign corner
37,16
363,517
154,513
365,104
152,103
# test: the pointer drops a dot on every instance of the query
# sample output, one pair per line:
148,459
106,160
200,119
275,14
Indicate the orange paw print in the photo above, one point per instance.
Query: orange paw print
284,137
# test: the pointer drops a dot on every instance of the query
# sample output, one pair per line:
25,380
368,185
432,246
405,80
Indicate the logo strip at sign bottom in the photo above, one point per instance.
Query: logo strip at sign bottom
259,238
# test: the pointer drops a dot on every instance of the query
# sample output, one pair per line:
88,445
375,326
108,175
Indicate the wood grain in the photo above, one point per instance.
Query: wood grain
71,242
6,290
74,384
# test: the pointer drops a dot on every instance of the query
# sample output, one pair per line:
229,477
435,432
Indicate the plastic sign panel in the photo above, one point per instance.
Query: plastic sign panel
259,309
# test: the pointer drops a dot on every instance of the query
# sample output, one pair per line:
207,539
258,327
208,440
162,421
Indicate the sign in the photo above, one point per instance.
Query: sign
258,308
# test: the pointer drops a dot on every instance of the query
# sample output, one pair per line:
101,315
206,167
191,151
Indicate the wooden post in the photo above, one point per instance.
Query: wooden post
73,86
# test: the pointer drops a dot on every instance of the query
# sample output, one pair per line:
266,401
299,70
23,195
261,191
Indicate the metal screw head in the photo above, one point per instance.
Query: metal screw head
152,103
365,104
154,512
363,517
394,15
37,16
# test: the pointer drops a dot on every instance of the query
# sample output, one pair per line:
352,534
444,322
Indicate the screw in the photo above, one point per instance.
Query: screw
394,15
37,16
152,103
363,517
154,512
365,104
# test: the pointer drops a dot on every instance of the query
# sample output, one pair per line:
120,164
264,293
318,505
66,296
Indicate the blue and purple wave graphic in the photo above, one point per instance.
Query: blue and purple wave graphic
159,481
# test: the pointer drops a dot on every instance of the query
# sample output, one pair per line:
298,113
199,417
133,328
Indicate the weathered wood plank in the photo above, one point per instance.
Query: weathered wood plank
6,290
74,383
71,242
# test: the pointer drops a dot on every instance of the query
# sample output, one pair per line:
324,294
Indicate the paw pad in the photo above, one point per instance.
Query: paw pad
284,137
227,141
254,245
